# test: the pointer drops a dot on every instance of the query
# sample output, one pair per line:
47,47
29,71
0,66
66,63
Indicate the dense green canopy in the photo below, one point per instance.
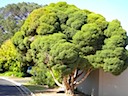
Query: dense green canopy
67,33
66,38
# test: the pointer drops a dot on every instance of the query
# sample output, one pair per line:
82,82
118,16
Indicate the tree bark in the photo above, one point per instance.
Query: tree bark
85,76
70,81
69,90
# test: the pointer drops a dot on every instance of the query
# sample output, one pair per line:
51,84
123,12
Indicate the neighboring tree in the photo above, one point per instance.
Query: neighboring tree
8,58
73,42
12,17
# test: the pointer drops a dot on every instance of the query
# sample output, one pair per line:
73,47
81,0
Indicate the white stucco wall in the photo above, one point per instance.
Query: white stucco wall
110,85
91,84
106,84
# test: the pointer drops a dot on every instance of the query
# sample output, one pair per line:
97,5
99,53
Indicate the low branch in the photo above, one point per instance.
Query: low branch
56,81
75,73
86,75
79,75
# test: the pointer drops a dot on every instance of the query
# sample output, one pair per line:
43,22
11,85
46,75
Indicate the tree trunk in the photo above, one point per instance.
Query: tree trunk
70,82
69,88
70,92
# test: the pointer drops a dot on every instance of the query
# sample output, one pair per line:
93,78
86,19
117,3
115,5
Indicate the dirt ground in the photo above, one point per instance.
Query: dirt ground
49,94
53,94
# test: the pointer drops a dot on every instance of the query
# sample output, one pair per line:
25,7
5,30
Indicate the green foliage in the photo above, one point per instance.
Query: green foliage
8,58
115,28
44,29
89,39
77,20
66,56
42,76
65,38
13,73
98,19
113,56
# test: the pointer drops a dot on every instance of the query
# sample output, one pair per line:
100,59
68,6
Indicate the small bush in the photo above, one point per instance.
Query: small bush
42,76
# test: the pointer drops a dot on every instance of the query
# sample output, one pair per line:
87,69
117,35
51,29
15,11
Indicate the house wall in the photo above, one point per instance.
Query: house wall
91,84
110,85
105,84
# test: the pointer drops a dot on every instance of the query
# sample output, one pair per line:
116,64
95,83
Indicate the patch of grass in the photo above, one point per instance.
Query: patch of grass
35,88
9,73
1,74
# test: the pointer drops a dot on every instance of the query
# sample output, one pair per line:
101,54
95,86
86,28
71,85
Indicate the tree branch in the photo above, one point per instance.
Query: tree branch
56,81
86,75
75,73
79,75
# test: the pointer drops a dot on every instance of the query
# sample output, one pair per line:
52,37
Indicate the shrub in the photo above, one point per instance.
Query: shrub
42,76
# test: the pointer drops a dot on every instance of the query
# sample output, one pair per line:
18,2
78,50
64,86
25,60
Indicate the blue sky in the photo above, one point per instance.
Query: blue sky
110,9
